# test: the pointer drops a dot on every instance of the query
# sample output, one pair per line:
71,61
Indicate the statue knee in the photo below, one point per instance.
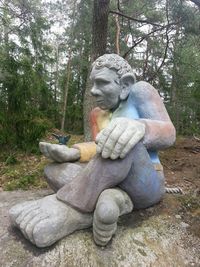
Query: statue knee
107,212
111,204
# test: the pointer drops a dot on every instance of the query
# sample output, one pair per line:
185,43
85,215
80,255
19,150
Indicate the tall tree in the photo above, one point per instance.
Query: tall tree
99,44
23,80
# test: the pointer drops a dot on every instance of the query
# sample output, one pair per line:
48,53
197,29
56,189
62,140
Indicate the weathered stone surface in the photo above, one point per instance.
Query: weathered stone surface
149,238
47,220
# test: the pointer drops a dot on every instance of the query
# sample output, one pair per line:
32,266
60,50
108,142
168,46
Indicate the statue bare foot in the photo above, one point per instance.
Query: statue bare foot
47,220
111,204
59,153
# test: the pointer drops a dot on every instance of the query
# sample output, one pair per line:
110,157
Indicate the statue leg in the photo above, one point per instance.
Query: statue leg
100,174
45,221
59,174
144,184
111,204
145,187
83,191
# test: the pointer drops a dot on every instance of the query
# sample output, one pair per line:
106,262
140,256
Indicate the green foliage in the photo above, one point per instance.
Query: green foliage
33,69
24,91
23,183
21,170
11,160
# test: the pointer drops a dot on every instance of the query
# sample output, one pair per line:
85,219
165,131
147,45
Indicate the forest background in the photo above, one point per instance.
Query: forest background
46,48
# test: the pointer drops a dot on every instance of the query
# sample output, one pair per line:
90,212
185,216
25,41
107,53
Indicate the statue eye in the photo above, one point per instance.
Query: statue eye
106,82
102,82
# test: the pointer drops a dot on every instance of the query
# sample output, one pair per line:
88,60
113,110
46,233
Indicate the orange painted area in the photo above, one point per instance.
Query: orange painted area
87,150
99,119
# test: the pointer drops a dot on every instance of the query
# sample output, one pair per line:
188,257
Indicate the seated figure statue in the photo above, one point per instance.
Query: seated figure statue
129,126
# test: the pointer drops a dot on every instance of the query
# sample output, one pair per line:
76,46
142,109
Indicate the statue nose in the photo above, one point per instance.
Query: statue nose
94,91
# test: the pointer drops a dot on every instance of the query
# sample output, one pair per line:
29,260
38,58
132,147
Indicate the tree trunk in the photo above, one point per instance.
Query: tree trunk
68,73
99,42
117,35
174,83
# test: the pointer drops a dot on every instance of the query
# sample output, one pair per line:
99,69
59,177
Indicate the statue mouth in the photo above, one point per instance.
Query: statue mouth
99,101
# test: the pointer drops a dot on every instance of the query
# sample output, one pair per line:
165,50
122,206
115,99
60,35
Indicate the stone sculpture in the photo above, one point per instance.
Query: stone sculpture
129,126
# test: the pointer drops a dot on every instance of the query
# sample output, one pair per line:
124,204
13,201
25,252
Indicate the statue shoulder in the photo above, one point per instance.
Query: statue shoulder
143,90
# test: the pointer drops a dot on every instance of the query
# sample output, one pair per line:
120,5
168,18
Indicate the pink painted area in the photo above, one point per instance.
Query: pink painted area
98,120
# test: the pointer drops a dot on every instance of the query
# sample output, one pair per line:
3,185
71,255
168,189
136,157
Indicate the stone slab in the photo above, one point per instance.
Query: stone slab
144,238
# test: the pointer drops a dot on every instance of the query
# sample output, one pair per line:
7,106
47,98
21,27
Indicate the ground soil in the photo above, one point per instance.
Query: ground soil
182,169
182,165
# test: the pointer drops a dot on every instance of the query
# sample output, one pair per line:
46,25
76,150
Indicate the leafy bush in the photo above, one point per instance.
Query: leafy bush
23,183
24,133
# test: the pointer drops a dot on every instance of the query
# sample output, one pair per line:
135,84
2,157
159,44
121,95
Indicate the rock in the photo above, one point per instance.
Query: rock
149,240
184,225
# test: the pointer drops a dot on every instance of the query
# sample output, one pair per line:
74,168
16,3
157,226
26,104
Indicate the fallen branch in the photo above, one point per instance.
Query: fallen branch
196,138
192,149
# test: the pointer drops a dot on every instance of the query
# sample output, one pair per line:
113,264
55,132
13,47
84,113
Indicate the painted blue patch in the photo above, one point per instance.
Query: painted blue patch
127,109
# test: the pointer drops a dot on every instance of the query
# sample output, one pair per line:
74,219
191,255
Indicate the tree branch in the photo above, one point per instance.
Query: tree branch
146,36
166,46
163,60
118,6
134,19
196,2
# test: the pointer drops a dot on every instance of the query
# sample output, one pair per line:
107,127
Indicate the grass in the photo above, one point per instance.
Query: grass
21,170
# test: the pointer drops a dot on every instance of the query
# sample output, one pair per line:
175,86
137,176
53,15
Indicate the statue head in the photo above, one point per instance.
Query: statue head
112,79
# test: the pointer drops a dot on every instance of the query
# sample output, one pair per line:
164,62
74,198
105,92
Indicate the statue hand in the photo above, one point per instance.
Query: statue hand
119,137
59,153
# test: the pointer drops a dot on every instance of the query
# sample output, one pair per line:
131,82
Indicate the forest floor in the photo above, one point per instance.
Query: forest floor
181,166
182,169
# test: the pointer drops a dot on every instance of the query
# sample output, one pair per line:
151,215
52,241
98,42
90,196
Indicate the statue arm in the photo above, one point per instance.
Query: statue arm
99,119
159,130
87,150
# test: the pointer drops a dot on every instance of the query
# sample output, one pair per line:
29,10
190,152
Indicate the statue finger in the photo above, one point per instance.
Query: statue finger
121,143
55,152
44,149
103,136
133,141
69,154
112,140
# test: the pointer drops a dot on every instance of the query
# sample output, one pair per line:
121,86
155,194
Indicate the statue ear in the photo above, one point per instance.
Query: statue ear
126,81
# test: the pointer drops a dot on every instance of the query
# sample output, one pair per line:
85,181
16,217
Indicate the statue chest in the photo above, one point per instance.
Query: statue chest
126,109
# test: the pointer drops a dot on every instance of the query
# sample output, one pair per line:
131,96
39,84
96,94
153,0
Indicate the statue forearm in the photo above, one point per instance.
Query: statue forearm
87,150
158,134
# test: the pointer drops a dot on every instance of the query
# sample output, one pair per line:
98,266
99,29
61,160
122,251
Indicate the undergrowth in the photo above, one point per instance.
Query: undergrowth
24,170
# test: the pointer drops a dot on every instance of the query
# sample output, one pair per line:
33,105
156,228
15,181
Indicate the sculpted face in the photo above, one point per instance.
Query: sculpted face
106,88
